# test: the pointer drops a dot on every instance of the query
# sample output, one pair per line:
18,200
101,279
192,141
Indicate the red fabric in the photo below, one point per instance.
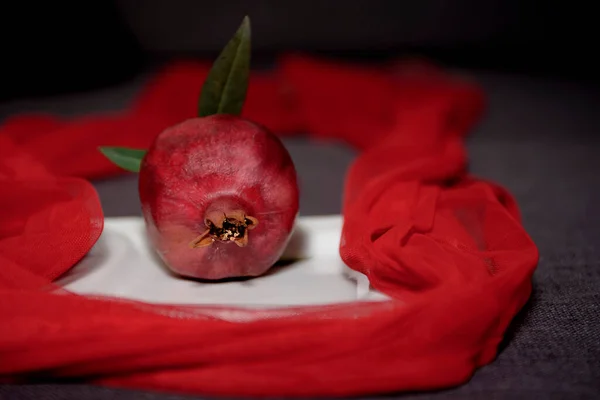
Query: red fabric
448,247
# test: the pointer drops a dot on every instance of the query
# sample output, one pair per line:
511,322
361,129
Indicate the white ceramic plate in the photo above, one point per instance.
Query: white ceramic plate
122,264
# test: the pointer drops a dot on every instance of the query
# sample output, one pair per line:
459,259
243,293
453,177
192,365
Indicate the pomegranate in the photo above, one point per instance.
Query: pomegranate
219,193
219,196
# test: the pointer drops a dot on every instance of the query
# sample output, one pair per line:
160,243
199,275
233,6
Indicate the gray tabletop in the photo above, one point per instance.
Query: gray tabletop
541,140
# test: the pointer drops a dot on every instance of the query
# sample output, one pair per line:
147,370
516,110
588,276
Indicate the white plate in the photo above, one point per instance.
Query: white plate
123,265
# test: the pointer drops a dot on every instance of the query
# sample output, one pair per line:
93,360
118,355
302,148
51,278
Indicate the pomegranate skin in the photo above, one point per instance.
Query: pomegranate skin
203,170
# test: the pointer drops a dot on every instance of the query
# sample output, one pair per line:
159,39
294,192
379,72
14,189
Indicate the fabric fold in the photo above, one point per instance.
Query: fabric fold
447,247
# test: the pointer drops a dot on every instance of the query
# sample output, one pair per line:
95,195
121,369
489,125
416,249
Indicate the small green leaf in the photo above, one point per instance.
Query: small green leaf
224,90
128,159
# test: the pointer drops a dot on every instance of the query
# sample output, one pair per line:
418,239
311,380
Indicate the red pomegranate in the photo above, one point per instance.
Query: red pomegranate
219,195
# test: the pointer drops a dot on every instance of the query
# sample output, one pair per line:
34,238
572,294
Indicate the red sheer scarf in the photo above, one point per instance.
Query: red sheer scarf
447,247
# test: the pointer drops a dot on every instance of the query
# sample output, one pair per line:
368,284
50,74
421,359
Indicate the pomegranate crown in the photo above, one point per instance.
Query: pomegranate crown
223,92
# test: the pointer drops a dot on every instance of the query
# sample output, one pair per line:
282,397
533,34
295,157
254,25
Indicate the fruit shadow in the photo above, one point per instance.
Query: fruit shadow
289,257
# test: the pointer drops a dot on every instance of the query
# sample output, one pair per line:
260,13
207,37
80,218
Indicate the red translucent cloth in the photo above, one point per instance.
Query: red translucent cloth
449,248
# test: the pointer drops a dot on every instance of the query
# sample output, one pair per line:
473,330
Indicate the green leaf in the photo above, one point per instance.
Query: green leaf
224,90
126,158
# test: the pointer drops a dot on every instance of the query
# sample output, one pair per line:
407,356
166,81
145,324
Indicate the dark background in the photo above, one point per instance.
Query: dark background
536,62
63,46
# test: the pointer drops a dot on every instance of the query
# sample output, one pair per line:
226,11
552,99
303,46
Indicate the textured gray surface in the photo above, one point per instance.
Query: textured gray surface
541,140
